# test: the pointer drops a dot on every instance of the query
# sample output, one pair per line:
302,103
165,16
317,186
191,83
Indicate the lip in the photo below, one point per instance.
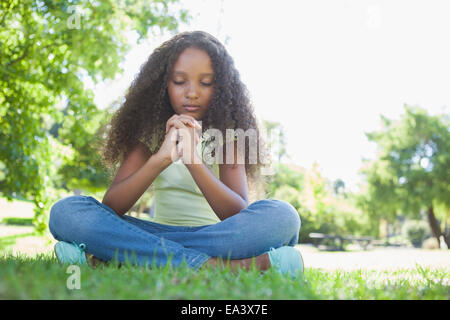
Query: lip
191,107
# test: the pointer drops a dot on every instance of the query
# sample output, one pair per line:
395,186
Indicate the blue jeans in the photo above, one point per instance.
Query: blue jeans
251,232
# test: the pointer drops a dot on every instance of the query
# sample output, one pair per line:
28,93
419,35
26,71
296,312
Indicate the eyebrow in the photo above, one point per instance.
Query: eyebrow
202,74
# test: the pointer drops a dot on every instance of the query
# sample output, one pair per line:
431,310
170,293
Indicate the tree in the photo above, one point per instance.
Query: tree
83,170
286,175
339,187
276,139
48,47
412,170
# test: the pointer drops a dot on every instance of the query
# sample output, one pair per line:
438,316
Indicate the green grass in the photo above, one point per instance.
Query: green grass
18,221
41,277
9,241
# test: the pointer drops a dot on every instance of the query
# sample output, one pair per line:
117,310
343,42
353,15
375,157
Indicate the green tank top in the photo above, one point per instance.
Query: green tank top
178,200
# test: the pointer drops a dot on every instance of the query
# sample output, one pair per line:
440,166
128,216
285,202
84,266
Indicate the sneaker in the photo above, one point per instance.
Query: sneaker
70,253
286,260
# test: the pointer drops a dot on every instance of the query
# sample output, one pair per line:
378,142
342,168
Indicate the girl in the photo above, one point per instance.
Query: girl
202,211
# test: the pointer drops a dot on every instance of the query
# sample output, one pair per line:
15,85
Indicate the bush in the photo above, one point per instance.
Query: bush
415,231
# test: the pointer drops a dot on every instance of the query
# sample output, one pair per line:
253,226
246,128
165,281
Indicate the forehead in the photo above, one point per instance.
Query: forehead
193,61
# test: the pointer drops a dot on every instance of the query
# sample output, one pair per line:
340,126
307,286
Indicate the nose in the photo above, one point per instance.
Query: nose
192,91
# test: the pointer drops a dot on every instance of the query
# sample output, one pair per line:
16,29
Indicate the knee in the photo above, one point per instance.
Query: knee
286,216
62,207
61,213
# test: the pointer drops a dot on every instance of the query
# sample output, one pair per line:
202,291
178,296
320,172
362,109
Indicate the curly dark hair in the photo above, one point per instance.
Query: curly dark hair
146,108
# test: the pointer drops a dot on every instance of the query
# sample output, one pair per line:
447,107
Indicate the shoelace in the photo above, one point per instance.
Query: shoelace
80,246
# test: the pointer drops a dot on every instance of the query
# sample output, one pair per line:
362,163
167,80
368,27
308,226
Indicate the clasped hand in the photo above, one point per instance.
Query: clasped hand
182,136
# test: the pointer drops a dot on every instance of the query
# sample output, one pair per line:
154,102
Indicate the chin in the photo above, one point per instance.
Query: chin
197,115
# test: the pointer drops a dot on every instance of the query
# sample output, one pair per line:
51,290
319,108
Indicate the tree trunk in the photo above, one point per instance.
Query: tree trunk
434,225
447,239
447,235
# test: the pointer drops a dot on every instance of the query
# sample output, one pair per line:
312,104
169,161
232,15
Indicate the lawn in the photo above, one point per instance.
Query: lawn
41,277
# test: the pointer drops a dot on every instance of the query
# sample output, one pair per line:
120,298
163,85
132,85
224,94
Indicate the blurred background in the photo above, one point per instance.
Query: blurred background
356,91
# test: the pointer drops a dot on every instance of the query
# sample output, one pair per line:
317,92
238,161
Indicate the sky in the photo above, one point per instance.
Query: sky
325,69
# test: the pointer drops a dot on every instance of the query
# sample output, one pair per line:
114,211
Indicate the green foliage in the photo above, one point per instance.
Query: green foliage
320,209
323,206
413,166
17,221
286,176
415,231
276,139
84,169
47,48
339,187
412,169
289,194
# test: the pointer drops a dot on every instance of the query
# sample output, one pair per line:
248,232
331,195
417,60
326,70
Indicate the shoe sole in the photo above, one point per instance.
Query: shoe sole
56,250
303,262
59,254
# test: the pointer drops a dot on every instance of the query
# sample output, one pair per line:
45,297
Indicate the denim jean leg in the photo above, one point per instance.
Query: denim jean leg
83,219
249,233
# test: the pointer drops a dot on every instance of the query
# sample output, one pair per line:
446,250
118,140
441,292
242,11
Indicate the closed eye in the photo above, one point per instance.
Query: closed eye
202,83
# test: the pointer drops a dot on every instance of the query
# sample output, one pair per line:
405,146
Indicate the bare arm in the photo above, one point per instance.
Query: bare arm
134,177
226,196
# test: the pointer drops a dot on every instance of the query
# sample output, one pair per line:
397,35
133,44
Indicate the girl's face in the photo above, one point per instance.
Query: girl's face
191,83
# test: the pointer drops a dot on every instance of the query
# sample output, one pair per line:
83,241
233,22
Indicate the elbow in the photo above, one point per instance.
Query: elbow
231,211
243,203
120,213
246,203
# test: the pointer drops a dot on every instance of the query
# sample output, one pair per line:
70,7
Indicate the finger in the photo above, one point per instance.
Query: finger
188,122
194,123
190,134
179,149
171,118
172,135
175,123
181,116
170,131
183,121
170,121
